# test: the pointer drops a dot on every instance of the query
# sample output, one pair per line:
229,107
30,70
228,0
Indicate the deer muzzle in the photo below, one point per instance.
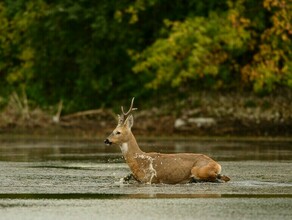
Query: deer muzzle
107,142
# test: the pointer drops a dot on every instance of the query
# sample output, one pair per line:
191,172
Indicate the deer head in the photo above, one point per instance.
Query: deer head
125,122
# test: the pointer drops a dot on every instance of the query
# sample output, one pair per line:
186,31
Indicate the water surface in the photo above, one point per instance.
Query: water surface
54,149
80,179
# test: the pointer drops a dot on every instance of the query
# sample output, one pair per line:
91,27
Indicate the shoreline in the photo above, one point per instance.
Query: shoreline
204,114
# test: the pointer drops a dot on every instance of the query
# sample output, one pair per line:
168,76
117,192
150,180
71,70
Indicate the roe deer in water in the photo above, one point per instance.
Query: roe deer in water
157,167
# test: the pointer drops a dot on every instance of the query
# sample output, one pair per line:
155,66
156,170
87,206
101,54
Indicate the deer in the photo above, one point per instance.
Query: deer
155,168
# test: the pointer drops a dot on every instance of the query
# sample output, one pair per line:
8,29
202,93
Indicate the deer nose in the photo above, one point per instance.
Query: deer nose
107,142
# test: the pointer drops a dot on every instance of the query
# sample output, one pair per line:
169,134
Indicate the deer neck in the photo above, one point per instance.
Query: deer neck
130,148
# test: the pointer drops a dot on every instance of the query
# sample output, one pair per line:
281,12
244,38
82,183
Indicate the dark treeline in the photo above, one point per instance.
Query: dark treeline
92,54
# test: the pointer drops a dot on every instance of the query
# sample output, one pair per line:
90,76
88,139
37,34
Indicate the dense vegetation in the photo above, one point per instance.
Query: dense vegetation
92,53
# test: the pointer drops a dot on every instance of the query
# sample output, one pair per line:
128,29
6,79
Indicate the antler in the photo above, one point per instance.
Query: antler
122,117
130,109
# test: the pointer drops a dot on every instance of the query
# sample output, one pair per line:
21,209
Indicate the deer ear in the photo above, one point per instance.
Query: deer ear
120,119
129,121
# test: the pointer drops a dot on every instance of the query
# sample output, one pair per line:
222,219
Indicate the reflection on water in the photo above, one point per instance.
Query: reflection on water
48,176
108,196
136,196
14,149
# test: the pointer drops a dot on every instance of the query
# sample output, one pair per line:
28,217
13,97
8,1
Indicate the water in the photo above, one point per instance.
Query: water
80,179
25,149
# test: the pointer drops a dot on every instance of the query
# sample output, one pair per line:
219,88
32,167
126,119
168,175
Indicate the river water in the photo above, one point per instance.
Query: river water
71,178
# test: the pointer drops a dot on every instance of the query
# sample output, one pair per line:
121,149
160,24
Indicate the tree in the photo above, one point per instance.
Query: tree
87,53
224,49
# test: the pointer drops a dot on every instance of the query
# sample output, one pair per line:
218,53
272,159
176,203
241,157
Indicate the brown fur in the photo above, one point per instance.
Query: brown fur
163,168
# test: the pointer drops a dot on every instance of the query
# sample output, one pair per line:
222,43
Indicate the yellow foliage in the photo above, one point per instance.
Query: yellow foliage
275,47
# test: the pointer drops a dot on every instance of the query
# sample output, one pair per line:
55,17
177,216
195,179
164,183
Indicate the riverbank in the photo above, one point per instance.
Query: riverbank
200,115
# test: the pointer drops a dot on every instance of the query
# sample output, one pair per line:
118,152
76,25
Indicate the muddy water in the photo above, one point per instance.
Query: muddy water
80,179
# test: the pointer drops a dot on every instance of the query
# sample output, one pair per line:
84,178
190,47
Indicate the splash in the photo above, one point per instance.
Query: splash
150,172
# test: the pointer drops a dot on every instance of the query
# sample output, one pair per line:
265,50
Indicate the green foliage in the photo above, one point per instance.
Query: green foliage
16,52
198,49
69,50
272,61
87,53
207,51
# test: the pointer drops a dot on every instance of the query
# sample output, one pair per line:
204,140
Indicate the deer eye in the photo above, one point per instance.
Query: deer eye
118,132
